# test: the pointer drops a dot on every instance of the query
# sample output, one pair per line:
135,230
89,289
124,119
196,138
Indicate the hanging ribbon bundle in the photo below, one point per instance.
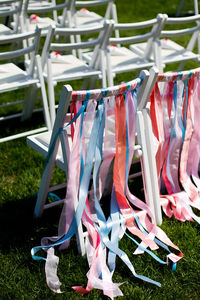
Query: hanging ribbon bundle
175,115
101,152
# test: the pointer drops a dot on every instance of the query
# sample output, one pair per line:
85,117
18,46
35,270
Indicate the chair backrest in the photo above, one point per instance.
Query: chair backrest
52,8
144,45
19,38
98,43
175,116
153,28
185,30
175,28
12,8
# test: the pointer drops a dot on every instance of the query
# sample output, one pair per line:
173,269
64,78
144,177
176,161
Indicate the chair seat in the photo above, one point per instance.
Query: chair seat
171,52
128,61
70,67
40,143
87,18
124,60
170,55
4,30
11,77
139,49
91,20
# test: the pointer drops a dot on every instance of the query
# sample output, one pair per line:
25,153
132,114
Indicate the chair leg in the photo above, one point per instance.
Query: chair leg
44,189
146,174
29,99
110,75
80,240
48,122
51,93
46,180
85,84
152,164
181,66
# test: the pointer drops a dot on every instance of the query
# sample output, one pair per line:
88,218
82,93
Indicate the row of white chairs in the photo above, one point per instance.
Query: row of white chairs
106,60
157,32
14,77
26,14
21,17
102,57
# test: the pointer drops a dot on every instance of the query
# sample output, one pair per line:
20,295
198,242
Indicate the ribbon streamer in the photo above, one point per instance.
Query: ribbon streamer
103,141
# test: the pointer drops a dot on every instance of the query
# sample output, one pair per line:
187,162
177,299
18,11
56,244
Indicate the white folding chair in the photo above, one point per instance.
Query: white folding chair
84,17
79,15
11,11
122,59
42,20
66,67
101,150
55,146
171,49
12,77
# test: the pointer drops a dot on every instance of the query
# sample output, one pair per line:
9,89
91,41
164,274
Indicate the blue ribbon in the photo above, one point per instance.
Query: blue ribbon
103,228
83,189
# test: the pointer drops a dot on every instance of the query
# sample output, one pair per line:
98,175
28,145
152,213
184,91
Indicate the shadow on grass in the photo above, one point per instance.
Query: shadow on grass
19,225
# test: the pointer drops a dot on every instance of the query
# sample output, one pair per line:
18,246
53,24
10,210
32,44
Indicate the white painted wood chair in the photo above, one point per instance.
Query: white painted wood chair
12,77
84,17
34,5
67,67
78,15
38,15
121,59
11,11
170,50
55,146
81,15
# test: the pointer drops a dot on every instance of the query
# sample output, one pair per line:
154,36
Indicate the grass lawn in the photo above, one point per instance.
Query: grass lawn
20,174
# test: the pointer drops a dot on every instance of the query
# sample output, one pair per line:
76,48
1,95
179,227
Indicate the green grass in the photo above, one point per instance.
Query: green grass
20,175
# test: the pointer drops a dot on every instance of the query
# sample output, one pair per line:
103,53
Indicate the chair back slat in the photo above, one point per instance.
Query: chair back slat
91,3
169,50
134,39
17,53
71,46
47,9
134,26
180,32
